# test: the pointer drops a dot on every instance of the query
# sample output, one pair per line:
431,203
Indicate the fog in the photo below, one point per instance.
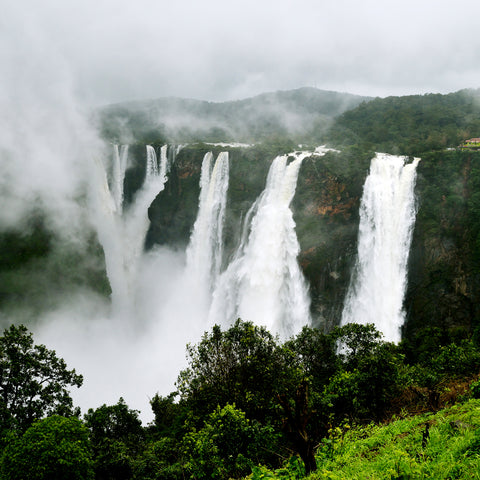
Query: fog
48,152
216,50
59,59
133,359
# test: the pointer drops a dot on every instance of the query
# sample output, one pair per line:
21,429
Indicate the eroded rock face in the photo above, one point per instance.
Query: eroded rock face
325,210
444,269
444,266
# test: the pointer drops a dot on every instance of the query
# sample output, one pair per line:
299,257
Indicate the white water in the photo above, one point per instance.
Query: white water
387,218
118,175
122,229
152,164
138,348
204,253
264,283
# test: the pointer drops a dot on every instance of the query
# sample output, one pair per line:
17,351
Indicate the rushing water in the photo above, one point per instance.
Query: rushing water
118,175
122,229
387,218
204,253
263,282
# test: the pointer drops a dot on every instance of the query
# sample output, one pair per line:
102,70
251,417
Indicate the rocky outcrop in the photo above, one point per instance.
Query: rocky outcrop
444,280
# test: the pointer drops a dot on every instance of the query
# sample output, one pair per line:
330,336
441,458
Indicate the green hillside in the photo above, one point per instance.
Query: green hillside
301,115
411,124
444,445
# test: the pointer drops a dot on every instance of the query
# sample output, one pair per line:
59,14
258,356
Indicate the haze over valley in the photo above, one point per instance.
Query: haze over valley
171,167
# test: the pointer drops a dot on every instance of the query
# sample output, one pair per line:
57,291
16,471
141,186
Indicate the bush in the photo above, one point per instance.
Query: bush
53,448
475,389
228,445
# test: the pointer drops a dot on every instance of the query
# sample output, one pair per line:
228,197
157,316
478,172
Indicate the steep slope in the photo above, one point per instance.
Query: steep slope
410,124
302,114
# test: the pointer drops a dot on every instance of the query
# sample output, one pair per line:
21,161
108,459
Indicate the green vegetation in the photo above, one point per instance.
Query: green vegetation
412,124
443,445
34,382
303,114
331,402
52,448
331,405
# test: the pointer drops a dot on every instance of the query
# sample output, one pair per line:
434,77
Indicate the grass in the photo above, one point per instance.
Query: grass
444,445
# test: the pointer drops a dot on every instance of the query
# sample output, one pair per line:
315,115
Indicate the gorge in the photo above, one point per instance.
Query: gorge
144,242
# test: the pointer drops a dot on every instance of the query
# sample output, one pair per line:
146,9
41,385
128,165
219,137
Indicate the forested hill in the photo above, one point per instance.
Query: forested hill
410,124
303,115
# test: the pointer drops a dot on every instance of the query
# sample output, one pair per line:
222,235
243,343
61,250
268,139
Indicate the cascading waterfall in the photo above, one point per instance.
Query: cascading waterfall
164,167
387,218
204,253
122,230
263,282
152,164
118,175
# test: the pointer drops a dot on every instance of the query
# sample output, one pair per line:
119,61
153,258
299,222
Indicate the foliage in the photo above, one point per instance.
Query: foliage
310,406
313,383
410,124
369,378
227,446
303,113
160,460
440,446
475,389
293,469
169,416
54,448
452,361
117,438
241,366
316,353
34,382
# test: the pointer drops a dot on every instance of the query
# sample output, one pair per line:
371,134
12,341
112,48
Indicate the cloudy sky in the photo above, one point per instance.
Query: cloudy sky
113,50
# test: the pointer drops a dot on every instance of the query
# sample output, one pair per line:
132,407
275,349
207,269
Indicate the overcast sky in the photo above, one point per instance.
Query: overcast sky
114,50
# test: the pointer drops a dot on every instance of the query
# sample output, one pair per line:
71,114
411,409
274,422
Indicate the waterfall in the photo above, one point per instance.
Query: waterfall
164,165
152,164
122,229
263,282
204,253
118,175
387,217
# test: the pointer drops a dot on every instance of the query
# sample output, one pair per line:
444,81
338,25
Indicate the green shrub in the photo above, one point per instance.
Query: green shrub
54,448
475,389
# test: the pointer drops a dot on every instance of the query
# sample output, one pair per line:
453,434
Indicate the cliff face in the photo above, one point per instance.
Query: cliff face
325,210
444,267
444,274
443,291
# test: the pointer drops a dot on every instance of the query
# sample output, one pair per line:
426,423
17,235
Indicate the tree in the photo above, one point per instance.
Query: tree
298,417
228,445
169,417
54,448
242,365
317,354
117,438
356,341
34,382
368,378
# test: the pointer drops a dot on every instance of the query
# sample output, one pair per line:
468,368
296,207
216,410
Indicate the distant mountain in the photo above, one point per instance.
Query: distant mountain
302,115
410,124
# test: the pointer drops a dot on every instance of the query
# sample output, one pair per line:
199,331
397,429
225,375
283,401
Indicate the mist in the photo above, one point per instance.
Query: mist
59,60
48,151
132,359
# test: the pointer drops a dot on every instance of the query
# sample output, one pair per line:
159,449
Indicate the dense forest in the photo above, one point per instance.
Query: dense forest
245,401
249,404
410,125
